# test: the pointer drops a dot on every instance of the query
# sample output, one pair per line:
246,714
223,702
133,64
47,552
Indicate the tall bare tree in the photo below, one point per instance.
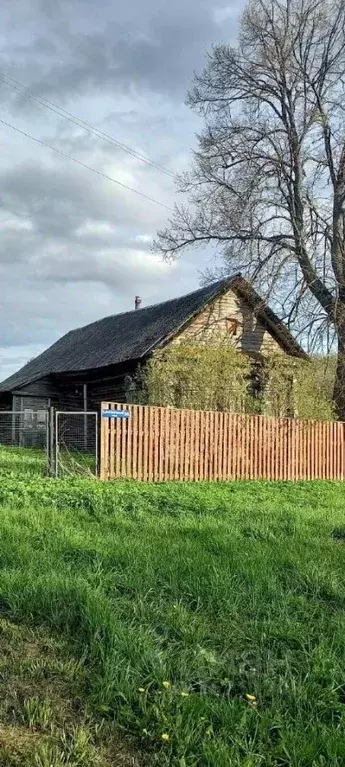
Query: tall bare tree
267,183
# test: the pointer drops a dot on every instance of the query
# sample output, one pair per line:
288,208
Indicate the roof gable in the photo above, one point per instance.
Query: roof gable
133,335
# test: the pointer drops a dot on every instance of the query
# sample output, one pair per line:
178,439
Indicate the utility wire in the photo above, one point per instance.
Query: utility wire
84,165
16,85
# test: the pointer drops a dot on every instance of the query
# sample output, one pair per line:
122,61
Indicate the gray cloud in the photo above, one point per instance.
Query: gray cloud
141,46
75,246
57,199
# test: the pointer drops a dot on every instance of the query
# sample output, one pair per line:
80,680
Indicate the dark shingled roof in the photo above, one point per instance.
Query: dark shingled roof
133,335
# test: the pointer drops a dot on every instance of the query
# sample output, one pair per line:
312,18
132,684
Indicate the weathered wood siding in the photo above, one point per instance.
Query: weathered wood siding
43,388
251,335
110,384
5,401
100,390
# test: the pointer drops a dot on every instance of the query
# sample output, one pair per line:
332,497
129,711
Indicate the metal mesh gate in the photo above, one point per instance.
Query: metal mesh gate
24,441
41,442
76,443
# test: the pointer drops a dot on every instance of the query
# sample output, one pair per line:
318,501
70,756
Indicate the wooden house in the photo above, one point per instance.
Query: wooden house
95,362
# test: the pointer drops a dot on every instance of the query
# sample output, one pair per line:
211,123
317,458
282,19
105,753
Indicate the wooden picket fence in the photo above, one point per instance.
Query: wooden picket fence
158,444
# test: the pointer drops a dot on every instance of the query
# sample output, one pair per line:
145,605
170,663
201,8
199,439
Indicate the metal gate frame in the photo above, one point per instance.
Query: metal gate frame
54,442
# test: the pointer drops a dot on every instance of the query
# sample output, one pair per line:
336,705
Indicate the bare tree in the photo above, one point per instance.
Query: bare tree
267,184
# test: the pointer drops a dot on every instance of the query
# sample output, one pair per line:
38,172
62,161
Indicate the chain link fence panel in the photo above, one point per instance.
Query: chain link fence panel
76,443
24,441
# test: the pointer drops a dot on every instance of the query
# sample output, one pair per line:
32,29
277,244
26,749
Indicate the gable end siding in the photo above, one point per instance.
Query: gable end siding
251,335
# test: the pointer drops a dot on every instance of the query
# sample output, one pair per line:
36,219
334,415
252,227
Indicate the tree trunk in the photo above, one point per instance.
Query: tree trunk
339,384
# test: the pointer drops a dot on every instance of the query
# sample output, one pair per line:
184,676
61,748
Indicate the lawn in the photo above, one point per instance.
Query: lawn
19,462
172,625
22,463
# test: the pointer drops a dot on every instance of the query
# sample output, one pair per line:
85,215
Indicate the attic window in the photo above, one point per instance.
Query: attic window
232,325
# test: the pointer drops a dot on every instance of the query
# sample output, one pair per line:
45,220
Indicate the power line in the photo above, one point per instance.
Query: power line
84,165
16,85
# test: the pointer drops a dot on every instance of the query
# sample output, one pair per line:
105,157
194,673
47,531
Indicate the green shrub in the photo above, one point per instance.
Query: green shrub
220,377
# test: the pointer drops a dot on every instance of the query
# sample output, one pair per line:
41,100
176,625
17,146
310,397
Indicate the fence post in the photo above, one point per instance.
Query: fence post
85,416
104,451
50,441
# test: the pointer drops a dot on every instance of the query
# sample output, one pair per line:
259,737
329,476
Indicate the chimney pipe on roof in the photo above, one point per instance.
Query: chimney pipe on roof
137,302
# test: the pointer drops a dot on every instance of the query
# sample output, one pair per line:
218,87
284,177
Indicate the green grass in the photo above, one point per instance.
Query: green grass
23,463
18,462
43,721
74,463
174,602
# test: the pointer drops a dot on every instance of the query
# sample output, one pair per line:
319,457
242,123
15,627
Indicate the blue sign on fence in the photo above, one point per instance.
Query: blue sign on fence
115,414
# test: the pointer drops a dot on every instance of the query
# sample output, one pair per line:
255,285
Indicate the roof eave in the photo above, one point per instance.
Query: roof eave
277,328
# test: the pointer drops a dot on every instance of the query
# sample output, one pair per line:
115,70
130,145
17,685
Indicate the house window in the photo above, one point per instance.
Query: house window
41,419
28,417
232,325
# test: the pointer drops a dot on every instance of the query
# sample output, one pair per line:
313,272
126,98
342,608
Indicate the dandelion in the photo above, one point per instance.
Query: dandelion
165,737
184,694
251,699
141,689
166,684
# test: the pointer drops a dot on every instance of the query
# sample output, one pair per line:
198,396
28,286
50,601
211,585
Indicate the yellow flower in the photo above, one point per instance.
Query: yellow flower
165,736
141,689
166,684
184,694
251,700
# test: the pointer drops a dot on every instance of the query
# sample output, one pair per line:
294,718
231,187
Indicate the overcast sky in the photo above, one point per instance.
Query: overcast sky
75,246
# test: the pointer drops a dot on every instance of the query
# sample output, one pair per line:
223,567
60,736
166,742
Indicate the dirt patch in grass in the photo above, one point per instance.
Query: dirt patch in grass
338,535
43,719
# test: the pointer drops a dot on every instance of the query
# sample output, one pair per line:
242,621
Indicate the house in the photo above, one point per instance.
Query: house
93,363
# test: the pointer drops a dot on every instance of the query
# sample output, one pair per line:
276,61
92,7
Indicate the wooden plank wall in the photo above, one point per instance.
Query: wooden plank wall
161,444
